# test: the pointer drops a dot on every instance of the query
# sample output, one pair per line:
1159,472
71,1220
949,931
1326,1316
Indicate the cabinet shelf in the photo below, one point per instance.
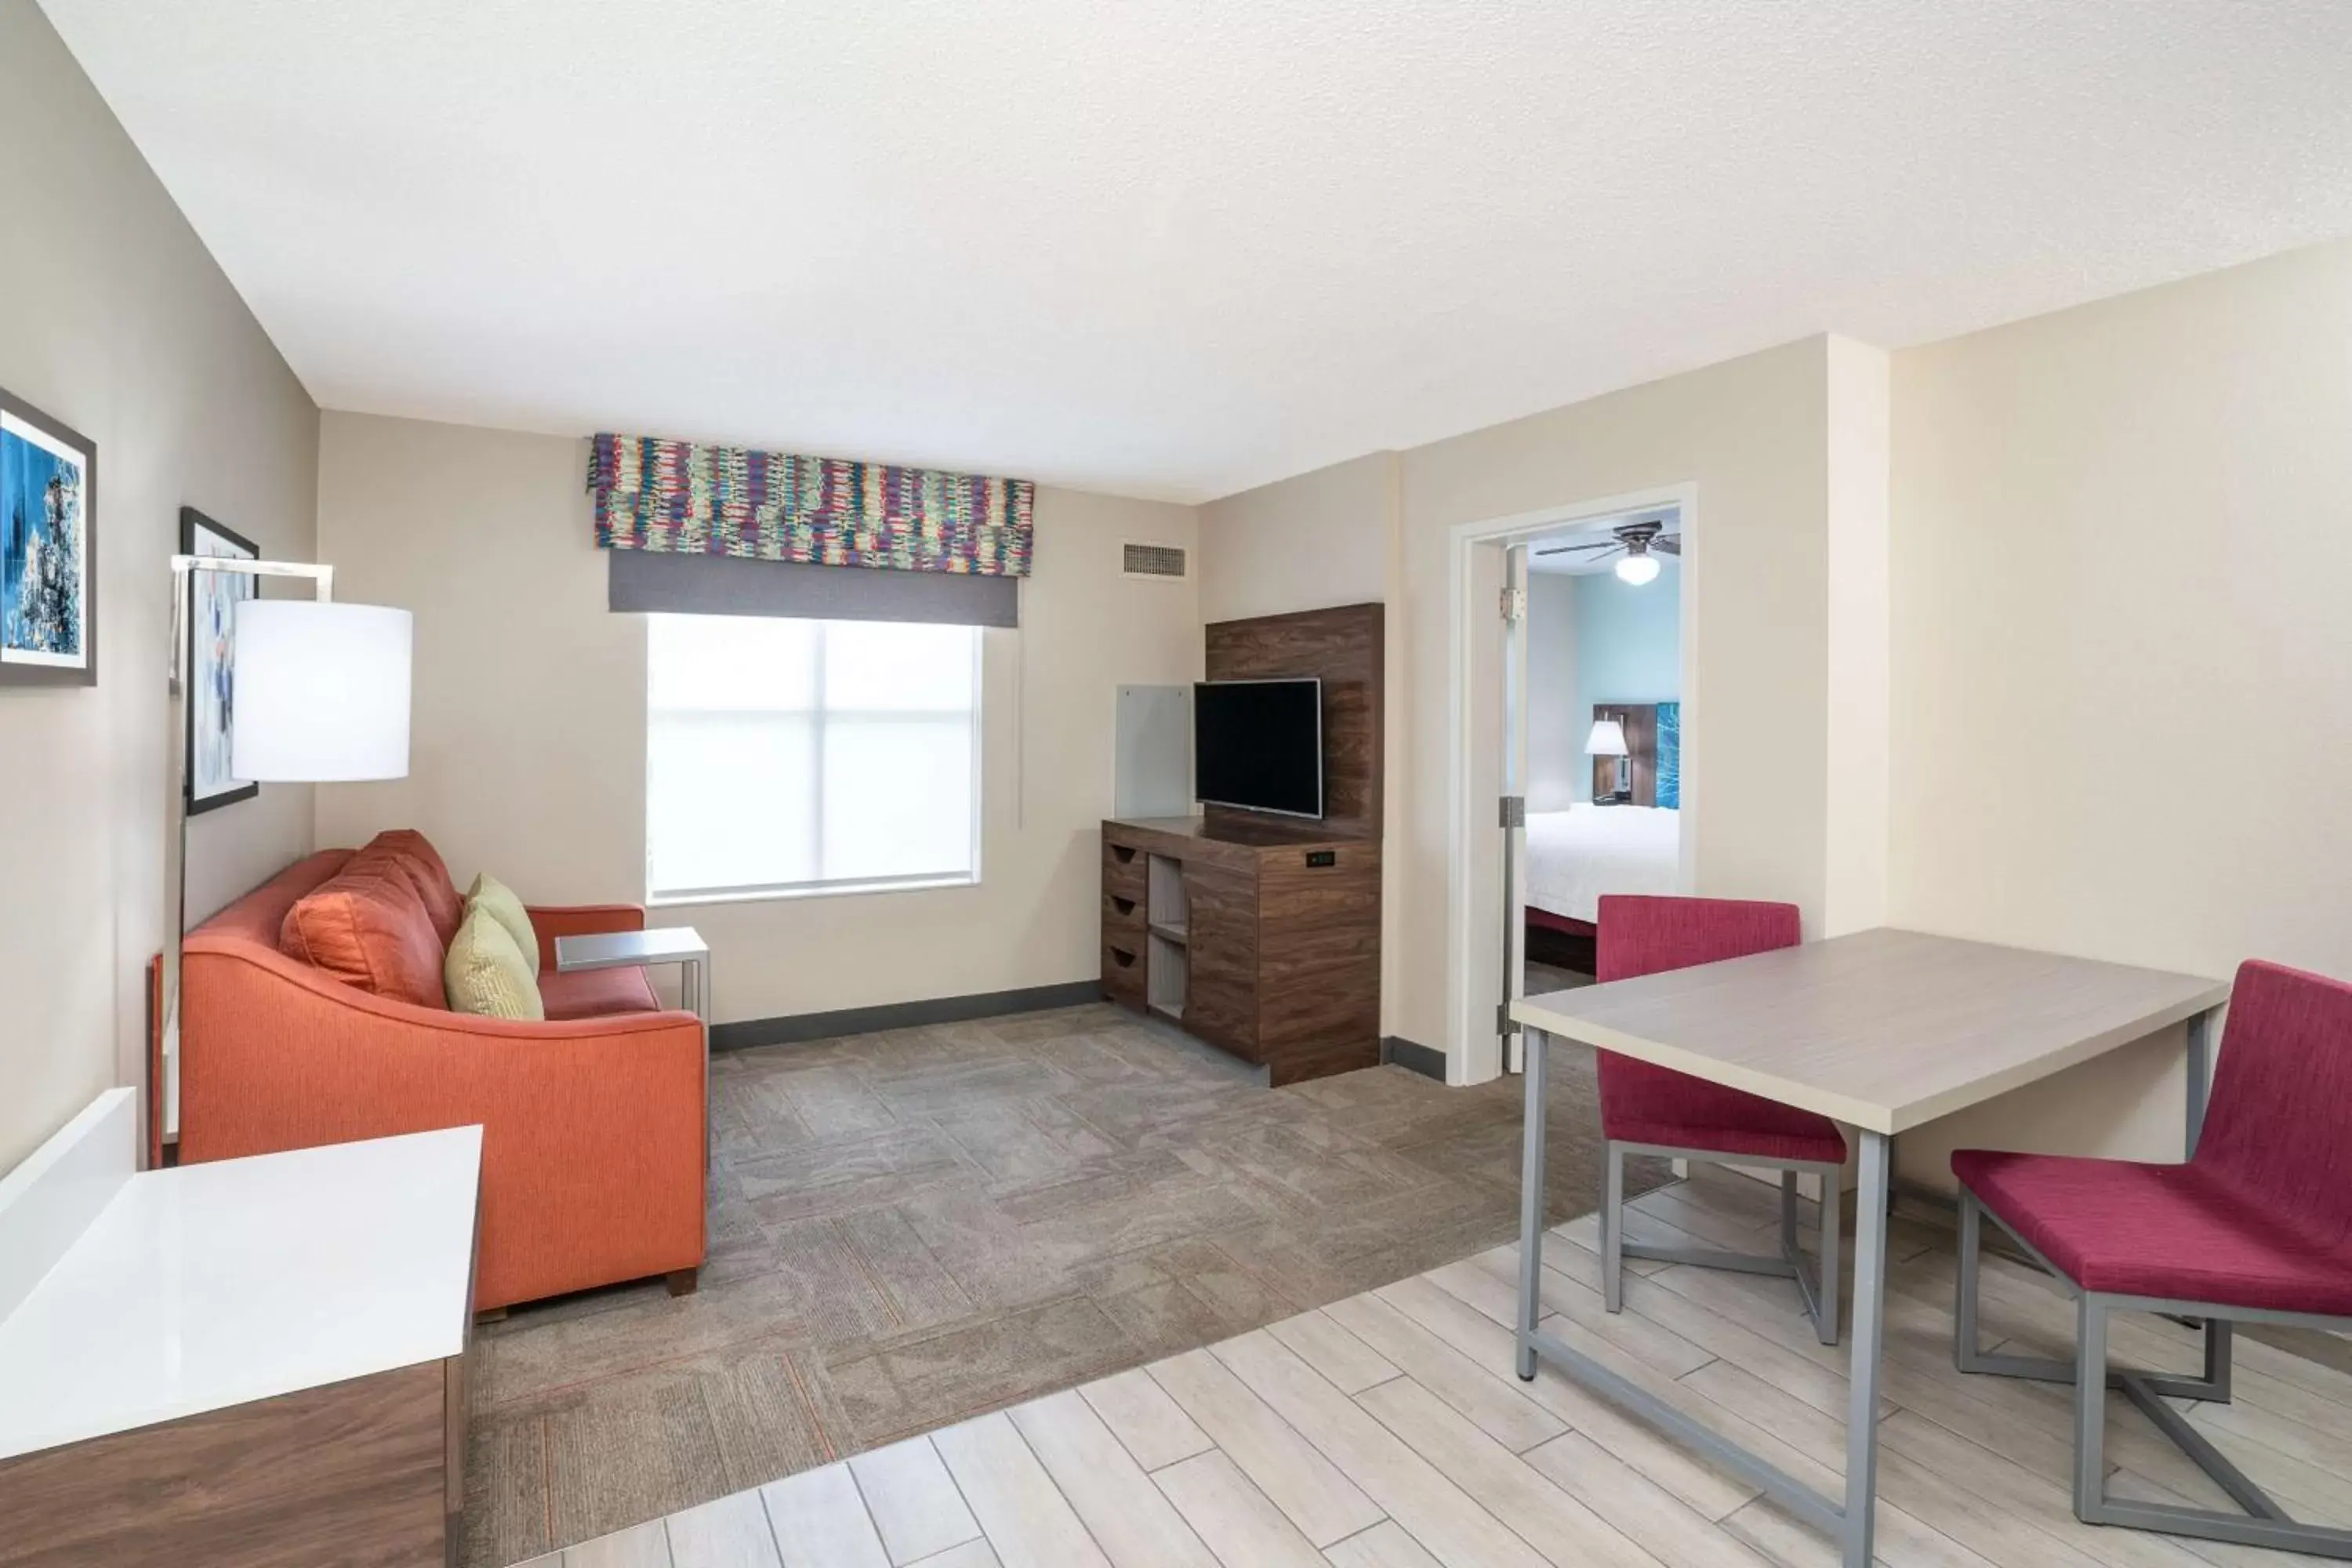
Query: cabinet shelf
1174,933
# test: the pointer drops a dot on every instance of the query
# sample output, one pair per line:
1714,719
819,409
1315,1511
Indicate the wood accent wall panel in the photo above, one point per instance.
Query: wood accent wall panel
353,1474
1346,650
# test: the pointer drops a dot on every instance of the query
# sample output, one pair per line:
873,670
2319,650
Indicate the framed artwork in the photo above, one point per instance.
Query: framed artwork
212,662
48,550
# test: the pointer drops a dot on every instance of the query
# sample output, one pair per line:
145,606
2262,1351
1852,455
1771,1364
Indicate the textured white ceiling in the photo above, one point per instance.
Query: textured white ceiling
1178,249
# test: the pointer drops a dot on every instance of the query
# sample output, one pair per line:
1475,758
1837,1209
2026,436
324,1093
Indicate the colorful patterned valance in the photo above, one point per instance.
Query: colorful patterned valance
685,498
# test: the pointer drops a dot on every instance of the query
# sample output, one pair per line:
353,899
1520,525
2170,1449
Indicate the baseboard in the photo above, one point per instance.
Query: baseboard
802,1026
1414,1055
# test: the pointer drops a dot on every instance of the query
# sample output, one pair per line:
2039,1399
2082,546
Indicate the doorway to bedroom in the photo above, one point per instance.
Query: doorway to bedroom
1601,688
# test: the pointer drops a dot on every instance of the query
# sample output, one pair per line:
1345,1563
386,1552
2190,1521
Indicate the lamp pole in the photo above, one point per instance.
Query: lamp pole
163,1097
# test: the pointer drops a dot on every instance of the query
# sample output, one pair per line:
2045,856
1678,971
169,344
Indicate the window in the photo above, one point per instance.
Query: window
791,756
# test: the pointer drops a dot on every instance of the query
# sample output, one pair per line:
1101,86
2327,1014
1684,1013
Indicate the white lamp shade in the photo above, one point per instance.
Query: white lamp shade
1607,739
320,692
1636,570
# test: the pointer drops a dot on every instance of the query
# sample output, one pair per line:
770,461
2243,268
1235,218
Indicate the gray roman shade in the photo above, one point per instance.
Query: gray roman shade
652,581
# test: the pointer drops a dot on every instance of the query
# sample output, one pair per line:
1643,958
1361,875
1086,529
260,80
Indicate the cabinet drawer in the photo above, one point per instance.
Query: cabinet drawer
1122,915
1122,871
1122,971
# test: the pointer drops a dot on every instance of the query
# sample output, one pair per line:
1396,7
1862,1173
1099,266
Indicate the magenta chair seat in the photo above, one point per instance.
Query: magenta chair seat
1641,1103
2176,1233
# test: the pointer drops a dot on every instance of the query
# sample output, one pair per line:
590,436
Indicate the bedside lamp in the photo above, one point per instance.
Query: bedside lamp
1608,740
322,695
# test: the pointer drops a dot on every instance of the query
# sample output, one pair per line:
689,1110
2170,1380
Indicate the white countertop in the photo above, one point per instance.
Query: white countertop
208,1286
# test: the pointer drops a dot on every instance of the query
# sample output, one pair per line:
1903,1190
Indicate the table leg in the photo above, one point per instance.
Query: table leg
2201,1073
1863,1369
1532,1199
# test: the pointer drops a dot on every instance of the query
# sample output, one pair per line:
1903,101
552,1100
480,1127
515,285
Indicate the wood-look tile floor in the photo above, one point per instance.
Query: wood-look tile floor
1387,1430
911,1228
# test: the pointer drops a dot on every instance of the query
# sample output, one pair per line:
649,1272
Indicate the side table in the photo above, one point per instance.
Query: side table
680,945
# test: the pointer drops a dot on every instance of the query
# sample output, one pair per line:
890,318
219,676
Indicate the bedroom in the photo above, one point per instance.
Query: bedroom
1602,732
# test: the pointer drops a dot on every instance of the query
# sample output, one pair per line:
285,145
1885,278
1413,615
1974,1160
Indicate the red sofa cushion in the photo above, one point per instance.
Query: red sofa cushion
1643,1104
426,872
596,992
367,927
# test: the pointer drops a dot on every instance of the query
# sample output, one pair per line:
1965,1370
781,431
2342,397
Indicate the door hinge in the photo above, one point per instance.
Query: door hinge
1515,605
1504,1023
1514,811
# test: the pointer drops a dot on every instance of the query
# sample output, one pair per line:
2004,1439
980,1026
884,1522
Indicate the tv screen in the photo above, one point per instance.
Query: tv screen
1259,744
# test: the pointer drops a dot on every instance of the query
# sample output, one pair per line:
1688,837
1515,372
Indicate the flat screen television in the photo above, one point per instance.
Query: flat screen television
1258,744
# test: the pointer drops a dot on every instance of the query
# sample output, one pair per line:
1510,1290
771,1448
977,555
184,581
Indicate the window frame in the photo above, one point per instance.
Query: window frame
919,882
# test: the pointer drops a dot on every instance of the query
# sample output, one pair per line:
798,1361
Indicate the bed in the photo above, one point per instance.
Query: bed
1633,846
1577,854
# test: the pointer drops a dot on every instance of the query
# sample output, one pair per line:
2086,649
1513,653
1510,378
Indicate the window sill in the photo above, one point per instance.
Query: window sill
790,895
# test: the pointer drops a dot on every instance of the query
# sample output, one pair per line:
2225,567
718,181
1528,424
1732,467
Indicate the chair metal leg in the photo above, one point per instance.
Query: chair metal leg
2090,1404
1825,1323
2265,1524
1817,1285
1613,1229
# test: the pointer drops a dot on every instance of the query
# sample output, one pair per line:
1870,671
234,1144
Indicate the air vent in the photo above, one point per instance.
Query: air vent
1154,561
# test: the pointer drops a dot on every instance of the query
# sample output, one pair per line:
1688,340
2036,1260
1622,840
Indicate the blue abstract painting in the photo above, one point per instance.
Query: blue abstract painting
1670,755
44,544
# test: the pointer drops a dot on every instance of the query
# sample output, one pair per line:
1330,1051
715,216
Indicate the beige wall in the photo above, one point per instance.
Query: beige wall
1556,728
1751,436
529,719
1309,543
2122,654
115,320
1853,804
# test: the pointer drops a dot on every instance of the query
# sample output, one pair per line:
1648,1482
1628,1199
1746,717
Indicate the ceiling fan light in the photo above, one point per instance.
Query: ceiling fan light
1636,570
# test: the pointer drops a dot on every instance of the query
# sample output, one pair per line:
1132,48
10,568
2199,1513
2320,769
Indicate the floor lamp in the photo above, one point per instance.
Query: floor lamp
320,695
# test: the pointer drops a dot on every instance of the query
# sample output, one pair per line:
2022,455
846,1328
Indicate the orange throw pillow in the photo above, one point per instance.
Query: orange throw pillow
368,927
427,872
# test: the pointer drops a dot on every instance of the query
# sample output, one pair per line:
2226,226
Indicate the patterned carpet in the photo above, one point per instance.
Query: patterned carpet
912,1227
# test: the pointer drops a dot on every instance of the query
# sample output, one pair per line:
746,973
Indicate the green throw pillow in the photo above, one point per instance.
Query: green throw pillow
485,974
494,896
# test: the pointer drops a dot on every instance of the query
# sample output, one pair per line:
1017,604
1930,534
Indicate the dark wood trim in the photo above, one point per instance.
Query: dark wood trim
1344,648
351,1475
1413,1056
802,1026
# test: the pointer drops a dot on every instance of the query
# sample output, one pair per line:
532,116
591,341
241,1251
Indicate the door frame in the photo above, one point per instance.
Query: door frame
1474,890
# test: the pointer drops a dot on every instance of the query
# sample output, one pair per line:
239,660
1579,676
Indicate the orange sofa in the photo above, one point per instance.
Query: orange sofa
594,1123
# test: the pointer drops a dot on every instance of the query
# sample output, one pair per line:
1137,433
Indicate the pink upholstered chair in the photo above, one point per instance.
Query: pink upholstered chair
1647,1110
2256,1226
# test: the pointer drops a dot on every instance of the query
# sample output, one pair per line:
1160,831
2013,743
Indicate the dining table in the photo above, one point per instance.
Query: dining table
1882,1031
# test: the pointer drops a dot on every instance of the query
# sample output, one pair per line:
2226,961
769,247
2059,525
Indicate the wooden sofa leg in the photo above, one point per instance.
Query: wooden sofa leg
683,1281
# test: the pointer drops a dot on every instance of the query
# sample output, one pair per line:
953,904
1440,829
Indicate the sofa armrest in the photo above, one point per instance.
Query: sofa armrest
594,1130
580,920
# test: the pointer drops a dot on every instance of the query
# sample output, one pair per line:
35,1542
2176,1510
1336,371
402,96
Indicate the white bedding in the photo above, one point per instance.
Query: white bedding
1577,854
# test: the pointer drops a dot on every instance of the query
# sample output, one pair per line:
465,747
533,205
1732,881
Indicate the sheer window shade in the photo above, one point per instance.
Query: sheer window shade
793,756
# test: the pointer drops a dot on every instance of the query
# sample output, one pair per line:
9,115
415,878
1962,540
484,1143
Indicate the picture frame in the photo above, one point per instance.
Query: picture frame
48,550
209,699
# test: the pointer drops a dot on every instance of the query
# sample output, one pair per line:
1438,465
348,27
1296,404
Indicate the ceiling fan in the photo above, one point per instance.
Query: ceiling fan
1642,544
